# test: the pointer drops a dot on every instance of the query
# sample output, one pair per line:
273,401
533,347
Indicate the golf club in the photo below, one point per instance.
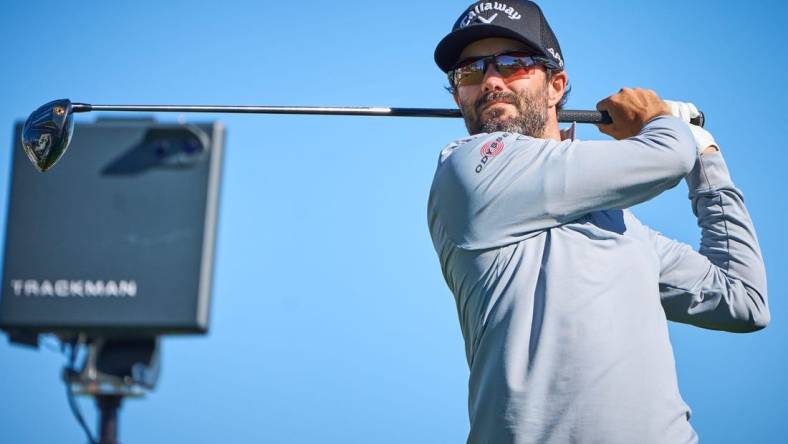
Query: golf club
47,132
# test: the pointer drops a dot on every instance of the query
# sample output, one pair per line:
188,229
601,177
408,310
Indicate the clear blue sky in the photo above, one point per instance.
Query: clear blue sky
330,321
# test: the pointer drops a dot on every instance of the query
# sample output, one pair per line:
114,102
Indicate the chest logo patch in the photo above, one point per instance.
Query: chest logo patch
490,150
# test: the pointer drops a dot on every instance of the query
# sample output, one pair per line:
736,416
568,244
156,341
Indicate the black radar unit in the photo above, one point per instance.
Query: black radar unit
120,238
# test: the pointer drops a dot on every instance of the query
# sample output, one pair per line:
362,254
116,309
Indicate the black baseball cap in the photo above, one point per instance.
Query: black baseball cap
521,20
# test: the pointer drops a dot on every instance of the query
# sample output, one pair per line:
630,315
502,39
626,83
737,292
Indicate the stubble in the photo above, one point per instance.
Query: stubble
530,118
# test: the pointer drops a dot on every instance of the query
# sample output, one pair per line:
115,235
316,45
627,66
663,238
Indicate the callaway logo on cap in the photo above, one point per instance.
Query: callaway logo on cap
478,12
515,19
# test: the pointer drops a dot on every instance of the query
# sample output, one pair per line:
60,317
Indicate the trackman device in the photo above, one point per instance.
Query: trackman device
119,239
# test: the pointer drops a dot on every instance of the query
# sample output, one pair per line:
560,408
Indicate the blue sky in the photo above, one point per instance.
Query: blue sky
330,319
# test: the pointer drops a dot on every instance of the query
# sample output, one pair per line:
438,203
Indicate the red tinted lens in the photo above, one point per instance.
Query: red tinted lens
469,72
514,64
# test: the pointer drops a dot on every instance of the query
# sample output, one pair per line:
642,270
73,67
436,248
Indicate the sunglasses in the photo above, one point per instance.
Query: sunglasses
511,65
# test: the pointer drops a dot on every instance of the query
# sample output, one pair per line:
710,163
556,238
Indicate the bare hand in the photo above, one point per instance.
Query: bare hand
630,110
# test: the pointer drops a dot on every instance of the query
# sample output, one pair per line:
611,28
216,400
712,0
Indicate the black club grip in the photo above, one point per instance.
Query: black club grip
580,116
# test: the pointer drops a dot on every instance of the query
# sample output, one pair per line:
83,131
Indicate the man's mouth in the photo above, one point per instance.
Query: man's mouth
490,100
496,102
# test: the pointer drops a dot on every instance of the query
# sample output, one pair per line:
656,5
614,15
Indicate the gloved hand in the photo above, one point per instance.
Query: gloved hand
686,111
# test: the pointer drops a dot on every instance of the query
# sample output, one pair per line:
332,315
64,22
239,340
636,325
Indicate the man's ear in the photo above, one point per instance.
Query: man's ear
556,88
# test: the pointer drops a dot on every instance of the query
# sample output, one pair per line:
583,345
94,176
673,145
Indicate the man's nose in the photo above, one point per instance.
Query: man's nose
492,81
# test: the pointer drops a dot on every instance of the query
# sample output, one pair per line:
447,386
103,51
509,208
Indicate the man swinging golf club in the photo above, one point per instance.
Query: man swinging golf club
562,294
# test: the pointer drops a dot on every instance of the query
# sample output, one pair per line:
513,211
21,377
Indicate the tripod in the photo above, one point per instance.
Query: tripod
114,368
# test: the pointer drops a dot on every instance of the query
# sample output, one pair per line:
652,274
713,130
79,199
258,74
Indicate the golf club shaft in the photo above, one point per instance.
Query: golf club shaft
579,116
563,116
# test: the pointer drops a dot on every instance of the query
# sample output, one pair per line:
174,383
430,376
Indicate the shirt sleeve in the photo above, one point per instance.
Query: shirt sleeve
723,285
499,188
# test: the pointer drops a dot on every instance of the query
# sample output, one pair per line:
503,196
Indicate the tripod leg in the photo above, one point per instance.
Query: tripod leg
108,406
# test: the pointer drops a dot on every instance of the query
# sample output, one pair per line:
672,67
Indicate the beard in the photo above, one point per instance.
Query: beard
530,118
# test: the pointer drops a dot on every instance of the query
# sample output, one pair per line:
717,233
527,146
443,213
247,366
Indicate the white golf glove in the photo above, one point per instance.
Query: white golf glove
686,111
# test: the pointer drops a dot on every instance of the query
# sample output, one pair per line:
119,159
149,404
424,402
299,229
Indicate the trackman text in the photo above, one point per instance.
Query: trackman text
76,288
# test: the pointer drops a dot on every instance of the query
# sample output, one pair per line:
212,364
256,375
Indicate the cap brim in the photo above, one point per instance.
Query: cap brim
448,51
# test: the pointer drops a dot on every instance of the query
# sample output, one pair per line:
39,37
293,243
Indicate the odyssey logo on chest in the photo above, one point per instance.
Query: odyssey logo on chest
490,150
481,13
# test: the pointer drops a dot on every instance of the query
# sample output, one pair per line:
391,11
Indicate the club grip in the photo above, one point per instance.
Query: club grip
699,121
581,116
602,117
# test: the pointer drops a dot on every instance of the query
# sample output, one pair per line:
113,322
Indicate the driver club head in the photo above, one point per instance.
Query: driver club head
47,133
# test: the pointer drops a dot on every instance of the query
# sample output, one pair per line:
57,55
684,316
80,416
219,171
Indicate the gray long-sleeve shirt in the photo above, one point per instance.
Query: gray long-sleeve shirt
563,295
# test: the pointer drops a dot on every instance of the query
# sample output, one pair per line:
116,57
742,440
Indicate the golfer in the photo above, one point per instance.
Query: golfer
562,294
